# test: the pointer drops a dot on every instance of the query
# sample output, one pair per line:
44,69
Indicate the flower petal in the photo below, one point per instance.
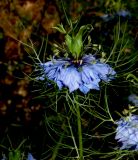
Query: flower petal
104,71
30,157
84,89
89,77
71,78
127,133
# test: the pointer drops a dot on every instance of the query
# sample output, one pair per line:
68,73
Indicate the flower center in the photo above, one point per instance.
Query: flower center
77,62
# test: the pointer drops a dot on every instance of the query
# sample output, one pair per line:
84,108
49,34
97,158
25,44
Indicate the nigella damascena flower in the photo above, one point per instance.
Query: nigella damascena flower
123,13
134,99
84,74
127,132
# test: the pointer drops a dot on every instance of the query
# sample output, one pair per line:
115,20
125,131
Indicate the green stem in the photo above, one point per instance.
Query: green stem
79,132
55,152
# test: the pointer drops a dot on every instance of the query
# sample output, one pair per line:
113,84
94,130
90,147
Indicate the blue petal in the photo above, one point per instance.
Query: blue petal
50,69
30,157
104,71
70,77
84,89
52,72
89,77
59,84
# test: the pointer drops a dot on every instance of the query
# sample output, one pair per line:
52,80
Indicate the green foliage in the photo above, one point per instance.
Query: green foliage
15,155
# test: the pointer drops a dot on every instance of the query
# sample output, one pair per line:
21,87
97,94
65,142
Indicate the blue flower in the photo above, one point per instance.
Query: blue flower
123,13
30,157
127,132
134,99
84,74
